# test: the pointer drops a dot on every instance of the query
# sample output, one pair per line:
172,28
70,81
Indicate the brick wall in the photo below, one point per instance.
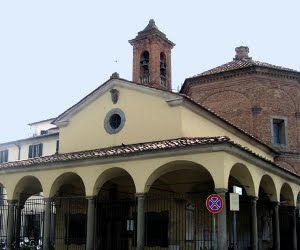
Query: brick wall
154,45
250,101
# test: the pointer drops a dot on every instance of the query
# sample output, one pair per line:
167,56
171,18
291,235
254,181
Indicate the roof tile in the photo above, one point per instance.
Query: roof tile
239,64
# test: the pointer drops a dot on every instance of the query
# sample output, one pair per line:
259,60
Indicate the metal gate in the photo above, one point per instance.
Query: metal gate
243,224
28,229
178,221
3,221
68,223
286,228
116,224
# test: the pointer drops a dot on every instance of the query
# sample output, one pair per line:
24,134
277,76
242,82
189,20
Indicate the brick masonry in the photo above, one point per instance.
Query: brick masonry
250,100
155,46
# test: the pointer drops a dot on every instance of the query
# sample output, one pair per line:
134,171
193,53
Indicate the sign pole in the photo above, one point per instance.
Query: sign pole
214,204
214,231
234,231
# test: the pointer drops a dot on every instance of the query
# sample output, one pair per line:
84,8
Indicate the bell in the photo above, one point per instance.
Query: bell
144,63
162,65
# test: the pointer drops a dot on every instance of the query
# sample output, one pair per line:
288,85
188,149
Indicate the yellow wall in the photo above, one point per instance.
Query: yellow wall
145,171
148,118
195,125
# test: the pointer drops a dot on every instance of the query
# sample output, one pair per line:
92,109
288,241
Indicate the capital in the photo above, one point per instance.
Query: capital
140,195
221,191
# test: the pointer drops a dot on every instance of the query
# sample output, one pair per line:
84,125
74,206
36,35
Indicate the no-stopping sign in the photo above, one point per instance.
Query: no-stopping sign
214,203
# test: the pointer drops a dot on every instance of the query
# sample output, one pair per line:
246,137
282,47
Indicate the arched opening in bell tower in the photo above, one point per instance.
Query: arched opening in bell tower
144,68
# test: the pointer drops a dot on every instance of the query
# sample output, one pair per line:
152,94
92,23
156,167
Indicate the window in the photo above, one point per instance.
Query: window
114,121
4,156
57,147
35,150
279,134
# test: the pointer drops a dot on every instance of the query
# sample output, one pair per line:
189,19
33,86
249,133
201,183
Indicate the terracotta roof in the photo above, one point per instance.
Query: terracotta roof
116,151
239,64
129,150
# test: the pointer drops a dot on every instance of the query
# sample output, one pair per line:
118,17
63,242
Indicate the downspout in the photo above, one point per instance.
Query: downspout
19,151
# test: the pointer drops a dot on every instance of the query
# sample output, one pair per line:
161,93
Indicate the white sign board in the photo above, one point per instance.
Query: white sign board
238,190
234,202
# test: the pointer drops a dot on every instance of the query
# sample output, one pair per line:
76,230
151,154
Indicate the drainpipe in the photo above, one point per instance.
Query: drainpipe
19,151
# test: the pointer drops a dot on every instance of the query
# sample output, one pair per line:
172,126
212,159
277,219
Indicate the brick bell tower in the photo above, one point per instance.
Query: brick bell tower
152,57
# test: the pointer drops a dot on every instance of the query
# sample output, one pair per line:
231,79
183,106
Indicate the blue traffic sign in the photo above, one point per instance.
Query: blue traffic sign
214,203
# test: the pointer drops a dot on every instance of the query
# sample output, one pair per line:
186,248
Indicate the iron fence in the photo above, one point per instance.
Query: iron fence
68,223
178,221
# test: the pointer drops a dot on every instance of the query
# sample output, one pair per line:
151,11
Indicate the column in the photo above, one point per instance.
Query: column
10,226
47,224
254,237
140,221
90,223
294,217
276,235
19,208
222,226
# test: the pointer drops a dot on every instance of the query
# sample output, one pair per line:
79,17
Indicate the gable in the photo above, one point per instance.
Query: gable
149,115
147,118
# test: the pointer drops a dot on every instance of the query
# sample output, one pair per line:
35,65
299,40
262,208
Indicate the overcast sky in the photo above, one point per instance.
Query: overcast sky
53,53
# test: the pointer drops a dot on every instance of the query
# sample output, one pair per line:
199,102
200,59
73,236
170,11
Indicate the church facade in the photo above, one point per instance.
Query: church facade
137,161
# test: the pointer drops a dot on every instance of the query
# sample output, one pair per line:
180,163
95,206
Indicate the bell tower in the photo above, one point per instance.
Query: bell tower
152,57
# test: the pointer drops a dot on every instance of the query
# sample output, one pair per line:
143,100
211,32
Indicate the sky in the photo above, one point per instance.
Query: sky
53,53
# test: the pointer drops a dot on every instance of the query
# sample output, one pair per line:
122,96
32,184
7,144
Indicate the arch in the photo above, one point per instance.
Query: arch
286,195
175,166
110,174
144,61
273,98
26,187
237,108
68,183
286,165
242,174
163,64
268,186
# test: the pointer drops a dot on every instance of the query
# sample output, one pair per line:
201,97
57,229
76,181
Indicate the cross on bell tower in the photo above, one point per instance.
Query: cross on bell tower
152,57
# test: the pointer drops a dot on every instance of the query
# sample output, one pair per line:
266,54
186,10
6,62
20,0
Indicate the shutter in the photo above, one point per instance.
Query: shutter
6,155
57,146
30,151
40,149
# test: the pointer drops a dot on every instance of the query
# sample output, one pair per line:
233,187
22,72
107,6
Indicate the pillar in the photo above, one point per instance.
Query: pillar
90,223
294,216
222,226
254,238
18,208
140,221
10,226
47,224
276,236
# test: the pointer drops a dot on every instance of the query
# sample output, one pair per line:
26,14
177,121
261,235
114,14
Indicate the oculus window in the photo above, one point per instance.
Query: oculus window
114,121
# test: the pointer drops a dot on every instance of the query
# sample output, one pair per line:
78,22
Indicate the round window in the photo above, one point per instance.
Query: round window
114,121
